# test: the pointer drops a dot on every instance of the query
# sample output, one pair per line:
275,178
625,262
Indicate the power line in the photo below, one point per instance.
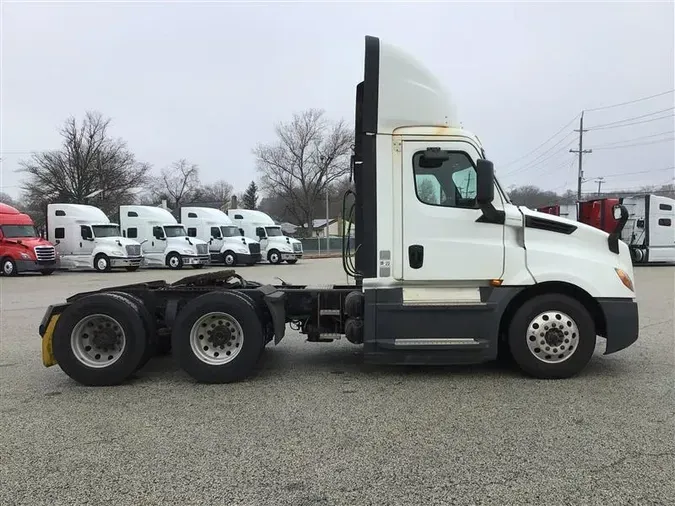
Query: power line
596,127
641,137
635,122
538,161
630,101
611,146
543,143
620,174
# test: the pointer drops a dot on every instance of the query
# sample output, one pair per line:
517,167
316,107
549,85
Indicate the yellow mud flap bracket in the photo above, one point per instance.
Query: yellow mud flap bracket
47,350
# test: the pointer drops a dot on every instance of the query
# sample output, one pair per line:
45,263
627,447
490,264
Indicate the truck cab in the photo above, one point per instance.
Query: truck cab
275,246
85,238
163,240
21,247
226,244
650,228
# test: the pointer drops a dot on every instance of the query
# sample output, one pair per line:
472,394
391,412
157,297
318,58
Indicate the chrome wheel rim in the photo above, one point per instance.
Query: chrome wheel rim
274,258
102,264
552,337
229,259
216,338
7,267
173,261
98,341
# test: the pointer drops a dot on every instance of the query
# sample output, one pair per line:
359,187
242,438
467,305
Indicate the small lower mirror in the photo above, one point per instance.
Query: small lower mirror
616,212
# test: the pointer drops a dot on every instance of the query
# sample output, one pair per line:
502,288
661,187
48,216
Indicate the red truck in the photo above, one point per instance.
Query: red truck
21,247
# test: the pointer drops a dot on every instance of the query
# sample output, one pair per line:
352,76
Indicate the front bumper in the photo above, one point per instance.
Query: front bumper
196,260
285,255
623,323
35,266
249,258
126,261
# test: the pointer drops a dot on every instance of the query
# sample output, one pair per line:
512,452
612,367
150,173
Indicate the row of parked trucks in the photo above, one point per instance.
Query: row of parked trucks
649,230
82,237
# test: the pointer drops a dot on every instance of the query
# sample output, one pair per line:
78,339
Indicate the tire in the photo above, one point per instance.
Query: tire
240,336
230,258
48,272
572,328
174,261
132,268
149,324
274,257
69,341
102,263
295,261
9,267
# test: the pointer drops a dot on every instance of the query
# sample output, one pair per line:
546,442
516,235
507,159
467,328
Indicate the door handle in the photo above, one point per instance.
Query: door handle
416,255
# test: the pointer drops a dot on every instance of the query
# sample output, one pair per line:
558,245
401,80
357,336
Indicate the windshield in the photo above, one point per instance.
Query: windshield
12,231
230,231
274,231
174,231
106,231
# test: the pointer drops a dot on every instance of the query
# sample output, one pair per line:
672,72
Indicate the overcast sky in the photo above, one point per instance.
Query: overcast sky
207,81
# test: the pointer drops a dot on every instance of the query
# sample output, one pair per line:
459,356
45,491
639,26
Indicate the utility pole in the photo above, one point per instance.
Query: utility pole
600,180
581,152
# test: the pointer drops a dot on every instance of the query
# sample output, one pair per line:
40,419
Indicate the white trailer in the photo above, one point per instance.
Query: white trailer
164,241
226,243
85,238
650,229
275,246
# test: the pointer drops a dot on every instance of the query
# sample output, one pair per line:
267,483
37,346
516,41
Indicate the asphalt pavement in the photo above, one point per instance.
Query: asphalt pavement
314,426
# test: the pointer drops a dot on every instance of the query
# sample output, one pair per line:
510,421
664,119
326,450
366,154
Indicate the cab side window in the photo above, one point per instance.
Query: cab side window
59,233
215,232
192,232
260,232
85,232
445,179
157,232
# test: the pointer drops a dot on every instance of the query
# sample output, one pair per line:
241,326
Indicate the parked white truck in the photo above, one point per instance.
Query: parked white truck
85,238
164,241
650,229
445,272
226,244
275,246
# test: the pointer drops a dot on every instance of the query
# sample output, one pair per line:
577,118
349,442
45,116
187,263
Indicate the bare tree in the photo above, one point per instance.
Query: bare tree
6,199
178,183
217,194
91,167
310,154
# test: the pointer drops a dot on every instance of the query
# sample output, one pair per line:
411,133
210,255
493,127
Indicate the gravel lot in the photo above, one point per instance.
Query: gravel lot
315,426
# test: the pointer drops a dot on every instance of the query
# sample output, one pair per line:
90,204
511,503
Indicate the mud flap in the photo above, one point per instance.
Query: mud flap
275,300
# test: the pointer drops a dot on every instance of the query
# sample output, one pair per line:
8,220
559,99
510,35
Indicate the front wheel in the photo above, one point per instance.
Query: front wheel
229,259
102,263
552,336
174,261
274,257
9,267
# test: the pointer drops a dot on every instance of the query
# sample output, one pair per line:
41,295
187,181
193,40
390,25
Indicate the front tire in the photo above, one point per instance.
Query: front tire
230,258
274,257
217,337
174,261
102,263
552,336
100,340
9,267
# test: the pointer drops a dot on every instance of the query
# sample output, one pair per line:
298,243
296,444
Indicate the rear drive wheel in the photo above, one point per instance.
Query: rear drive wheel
100,339
217,337
552,336
149,324
274,257
174,261
9,267
229,258
102,263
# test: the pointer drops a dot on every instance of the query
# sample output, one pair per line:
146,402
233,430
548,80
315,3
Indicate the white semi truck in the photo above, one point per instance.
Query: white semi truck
85,238
650,229
164,241
445,272
275,246
226,243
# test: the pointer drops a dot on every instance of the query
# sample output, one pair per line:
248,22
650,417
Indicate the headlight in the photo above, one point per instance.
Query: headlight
625,279
25,256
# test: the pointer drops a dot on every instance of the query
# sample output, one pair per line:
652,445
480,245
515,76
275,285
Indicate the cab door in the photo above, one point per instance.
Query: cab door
86,243
445,235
